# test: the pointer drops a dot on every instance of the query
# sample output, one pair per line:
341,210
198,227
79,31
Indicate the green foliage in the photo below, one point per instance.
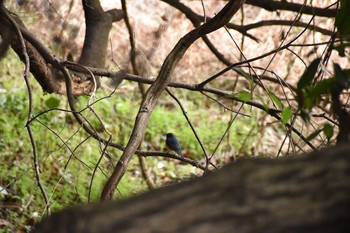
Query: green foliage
262,101
342,76
342,20
244,96
313,134
52,102
328,131
67,156
169,118
275,100
308,75
66,176
286,114
305,92
310,94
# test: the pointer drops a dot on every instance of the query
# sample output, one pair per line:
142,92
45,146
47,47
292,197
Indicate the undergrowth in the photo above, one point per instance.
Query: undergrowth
67,156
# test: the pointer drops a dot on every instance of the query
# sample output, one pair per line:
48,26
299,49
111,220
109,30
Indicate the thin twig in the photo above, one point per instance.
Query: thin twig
196,87
190,124
64,143
204,14
136,67
30,111
226,131
71,156
96,166
156,89
232,66
224,106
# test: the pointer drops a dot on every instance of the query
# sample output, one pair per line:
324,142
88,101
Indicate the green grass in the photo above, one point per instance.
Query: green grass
70,186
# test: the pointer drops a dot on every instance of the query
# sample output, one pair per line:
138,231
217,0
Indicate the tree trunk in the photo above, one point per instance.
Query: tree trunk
42,62
98,24
308,193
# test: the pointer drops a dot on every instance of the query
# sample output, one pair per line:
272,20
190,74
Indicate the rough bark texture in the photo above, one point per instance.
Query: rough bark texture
308,193
43,73
98,24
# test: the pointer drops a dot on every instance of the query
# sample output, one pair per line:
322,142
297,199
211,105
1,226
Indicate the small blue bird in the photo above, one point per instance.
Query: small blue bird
173,144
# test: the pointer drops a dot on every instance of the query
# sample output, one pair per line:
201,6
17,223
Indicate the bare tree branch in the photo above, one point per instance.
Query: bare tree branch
158,87
271,5
198,19
264,23
30,102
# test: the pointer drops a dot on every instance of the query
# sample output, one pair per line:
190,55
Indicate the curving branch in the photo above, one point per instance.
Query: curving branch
22,47
191,126
52,73
194,87
264,23
198,19
159,86
50,79
234,66
271,5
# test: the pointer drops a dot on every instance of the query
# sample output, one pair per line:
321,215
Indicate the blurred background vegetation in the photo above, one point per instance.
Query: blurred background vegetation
68,184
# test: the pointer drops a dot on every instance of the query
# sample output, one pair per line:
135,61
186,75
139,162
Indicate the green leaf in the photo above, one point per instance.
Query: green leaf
341,76
313,135
262,101
276,100
244,96
286,114
308,74
328,130
52,102
322,87
305,100
313,94
342,20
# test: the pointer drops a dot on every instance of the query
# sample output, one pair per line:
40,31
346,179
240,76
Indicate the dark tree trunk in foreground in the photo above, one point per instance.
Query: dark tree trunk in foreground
308,193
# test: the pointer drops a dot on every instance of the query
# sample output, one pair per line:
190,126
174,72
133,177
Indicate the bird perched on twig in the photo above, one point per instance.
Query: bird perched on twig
173,144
